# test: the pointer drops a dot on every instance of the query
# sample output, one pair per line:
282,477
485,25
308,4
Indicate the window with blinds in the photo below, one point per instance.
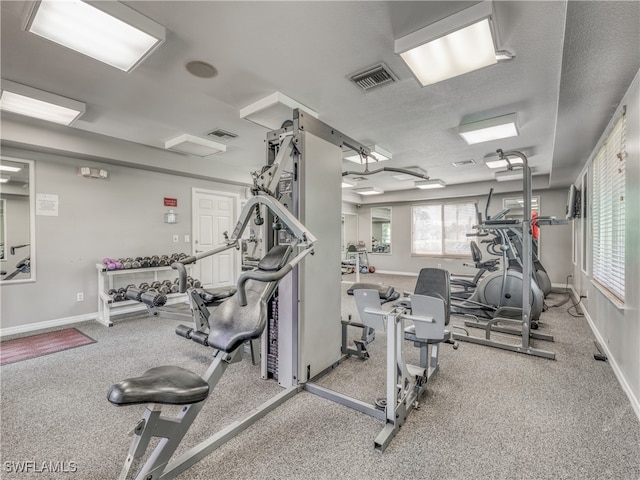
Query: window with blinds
608,212
441,229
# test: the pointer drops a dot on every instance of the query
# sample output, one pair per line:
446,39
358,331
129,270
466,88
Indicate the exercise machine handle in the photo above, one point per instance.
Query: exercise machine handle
262,276
182,271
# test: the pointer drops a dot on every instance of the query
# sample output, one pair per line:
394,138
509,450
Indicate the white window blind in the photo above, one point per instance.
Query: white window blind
608,210
440,229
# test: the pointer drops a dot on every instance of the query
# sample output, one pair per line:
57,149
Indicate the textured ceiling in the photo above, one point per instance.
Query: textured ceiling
307,50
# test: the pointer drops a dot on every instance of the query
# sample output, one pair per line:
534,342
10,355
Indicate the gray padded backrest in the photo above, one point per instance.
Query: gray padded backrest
435,282
429,307
231,324
369,299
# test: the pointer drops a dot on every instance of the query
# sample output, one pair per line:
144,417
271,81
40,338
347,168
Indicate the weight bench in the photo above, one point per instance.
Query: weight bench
239,319
386,293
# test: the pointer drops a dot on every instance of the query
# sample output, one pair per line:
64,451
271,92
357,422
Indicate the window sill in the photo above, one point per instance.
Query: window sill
609,296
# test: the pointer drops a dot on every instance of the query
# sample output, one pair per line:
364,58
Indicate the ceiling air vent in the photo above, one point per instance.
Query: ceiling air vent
464,163
373,77
222,134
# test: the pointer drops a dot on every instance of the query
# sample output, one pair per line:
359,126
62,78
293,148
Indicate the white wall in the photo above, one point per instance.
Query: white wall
119,217
618,328
555,240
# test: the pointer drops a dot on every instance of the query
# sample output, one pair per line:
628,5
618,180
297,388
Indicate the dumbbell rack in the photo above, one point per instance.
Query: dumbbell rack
106,305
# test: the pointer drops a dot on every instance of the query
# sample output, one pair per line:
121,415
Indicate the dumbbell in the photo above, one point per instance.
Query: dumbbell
136,264
145,262
155,285
153,298
164,289
110,263
163,262
134,293
144,286
115,295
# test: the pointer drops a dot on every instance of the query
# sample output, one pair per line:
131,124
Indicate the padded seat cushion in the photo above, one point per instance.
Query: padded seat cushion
386,292
169,385
410,335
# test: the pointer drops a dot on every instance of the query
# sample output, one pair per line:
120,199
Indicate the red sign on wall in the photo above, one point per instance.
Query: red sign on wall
170,202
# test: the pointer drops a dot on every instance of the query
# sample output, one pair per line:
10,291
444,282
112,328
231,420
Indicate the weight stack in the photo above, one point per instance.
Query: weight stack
272,347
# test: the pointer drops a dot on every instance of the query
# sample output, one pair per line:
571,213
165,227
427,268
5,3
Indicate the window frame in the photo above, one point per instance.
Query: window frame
442,226
609,159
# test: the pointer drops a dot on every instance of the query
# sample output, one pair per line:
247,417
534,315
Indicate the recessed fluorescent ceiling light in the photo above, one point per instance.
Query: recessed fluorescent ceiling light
458,44
377,152
429,184
200,147
494,161
8,168
406,176
273,110
107,31
490,129
508,175
368,191
36,103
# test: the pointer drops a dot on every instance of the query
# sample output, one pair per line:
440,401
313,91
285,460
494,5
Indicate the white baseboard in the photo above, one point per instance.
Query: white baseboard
622,380
59,322
390,272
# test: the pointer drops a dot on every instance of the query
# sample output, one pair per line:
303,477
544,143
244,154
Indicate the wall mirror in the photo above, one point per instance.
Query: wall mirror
17,222
381,230
349,230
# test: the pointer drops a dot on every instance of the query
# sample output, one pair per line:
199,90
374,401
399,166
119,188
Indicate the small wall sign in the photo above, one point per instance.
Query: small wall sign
170,202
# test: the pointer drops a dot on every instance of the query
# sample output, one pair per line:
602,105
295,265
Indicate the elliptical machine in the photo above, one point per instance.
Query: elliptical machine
510,283
499,294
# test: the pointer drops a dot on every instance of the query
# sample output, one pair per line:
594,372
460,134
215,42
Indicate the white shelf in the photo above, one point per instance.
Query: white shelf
107,307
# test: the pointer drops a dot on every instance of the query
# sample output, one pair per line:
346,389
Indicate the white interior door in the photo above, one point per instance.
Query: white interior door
213,214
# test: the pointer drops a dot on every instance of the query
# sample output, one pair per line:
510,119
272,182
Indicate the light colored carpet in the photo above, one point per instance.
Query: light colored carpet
487,414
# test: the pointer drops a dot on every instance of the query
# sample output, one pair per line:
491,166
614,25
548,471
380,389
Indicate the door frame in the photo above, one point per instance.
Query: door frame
194,220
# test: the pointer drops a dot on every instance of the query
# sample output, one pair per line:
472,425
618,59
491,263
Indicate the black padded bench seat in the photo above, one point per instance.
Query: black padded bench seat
386,292
166,385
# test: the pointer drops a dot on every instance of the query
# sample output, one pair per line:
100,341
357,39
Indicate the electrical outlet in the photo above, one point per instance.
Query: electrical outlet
187,239
80,297
439,265
176,239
